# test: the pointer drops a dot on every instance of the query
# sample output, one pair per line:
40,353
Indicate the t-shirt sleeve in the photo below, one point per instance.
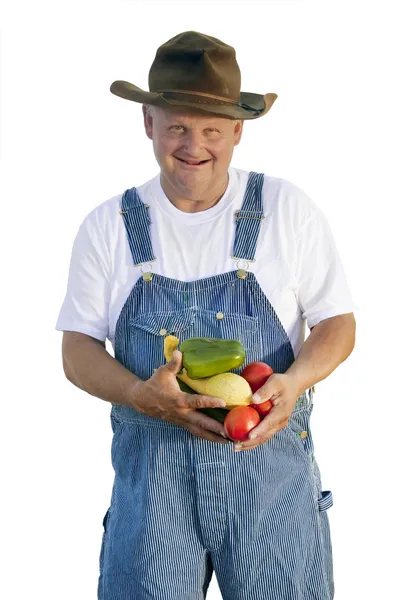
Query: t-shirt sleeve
322,291
86,304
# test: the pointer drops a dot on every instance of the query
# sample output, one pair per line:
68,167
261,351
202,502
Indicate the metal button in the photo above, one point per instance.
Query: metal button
220,315
303,435
147,276
241,273
163,331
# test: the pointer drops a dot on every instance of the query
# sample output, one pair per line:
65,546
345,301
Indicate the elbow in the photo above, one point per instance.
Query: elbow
67,368
67,353
350,333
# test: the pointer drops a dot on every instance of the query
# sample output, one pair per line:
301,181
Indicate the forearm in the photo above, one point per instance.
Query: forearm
89,366
328,345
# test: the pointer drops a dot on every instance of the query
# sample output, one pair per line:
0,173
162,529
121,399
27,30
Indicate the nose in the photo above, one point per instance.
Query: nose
193,144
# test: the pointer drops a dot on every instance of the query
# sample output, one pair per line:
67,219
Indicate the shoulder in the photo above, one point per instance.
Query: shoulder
286,196
105,213
105,218
285,200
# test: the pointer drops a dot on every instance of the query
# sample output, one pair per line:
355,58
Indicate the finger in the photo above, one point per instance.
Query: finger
240,446
268,426
261,438
198,420
175,364
269,390
201,420
207,435
198,401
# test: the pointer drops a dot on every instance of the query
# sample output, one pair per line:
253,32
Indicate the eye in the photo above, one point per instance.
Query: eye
176,127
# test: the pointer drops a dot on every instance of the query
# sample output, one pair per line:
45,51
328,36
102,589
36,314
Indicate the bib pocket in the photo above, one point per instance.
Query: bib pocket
147,334
148,331
233,326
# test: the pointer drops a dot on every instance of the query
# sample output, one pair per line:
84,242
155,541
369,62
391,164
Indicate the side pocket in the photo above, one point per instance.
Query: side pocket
100,585
324,497
105,521
299,430
325,500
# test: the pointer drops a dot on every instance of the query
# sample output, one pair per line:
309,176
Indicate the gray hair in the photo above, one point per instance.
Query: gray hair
151,110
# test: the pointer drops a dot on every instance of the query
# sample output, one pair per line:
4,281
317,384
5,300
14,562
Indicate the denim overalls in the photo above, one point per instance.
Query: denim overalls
183,507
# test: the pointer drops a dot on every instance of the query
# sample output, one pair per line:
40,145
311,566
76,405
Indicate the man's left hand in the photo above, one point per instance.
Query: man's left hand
283,393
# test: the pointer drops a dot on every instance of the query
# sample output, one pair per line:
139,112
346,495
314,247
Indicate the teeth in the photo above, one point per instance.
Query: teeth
191,163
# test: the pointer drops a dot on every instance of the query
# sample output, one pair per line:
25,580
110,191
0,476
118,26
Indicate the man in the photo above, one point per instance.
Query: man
207,250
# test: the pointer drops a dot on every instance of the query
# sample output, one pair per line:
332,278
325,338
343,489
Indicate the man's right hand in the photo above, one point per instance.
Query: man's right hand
161,397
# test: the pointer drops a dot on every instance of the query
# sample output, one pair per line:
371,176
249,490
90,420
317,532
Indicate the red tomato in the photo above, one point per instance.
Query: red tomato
256,374
263,408
240,421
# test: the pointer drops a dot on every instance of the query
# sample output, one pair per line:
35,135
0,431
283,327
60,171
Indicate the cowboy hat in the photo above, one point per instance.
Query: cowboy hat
197,71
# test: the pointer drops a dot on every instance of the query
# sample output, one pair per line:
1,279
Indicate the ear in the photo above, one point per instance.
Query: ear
148,121
238,132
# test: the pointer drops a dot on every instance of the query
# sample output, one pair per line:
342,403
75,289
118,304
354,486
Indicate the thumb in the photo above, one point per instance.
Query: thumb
175,364
265,392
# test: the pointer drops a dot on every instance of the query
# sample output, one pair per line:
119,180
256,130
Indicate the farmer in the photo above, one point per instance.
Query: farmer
207,250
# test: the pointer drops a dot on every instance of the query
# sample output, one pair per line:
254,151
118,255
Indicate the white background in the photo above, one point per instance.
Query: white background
68,144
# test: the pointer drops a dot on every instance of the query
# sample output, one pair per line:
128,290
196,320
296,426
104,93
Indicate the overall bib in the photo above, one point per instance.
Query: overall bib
183,507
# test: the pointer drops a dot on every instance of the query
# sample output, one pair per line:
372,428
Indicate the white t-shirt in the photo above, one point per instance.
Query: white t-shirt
296,263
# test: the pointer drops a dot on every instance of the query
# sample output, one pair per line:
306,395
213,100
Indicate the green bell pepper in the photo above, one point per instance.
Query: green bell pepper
205,357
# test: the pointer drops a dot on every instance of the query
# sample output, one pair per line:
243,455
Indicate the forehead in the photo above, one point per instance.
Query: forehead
168,116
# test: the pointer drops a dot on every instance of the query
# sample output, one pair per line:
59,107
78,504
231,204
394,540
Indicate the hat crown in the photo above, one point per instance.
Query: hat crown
195,62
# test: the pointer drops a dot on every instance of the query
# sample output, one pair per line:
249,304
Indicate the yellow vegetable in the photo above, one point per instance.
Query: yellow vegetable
230,387
171,343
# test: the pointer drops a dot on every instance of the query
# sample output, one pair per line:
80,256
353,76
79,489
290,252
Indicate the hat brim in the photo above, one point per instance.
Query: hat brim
251,106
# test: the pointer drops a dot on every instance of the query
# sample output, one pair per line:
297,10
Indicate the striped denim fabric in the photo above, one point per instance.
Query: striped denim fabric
183,507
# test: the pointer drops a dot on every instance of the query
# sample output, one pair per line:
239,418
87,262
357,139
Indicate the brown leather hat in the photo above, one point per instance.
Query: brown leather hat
197,71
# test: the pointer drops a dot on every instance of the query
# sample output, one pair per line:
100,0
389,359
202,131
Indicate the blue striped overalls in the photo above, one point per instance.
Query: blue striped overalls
183,507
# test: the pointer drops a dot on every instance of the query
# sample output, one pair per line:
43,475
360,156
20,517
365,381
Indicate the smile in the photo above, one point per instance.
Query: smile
192,164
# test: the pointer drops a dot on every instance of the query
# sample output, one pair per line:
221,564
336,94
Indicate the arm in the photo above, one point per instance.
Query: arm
321,291
329,344
89,366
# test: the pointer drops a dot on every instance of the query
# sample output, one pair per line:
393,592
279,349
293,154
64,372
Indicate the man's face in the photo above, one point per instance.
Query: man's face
193,150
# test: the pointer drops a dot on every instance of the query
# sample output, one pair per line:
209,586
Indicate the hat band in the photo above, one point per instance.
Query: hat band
227,100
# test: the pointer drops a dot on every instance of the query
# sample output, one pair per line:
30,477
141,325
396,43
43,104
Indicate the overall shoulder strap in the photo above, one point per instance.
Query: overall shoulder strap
248,218
137,224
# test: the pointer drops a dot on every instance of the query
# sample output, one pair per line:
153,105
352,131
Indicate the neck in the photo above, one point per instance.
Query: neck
195,200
